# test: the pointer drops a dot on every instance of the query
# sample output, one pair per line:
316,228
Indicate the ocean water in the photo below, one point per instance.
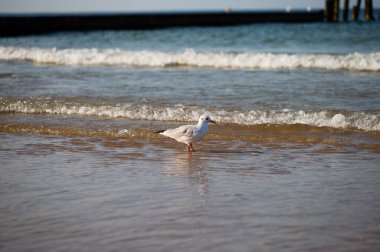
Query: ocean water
291,165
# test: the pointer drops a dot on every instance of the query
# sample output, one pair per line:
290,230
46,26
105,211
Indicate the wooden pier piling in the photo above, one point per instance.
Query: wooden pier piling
336,11
368,10
355,10
345,9
332,11
329,10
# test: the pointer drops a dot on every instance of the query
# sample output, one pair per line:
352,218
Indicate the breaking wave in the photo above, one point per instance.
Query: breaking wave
191,58
357,120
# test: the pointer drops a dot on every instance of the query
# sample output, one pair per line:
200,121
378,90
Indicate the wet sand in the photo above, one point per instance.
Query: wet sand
109,194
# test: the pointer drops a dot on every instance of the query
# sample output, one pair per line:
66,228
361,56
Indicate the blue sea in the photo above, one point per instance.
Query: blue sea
291,165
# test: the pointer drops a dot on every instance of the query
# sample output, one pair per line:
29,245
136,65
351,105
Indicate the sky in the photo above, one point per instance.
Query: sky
35,6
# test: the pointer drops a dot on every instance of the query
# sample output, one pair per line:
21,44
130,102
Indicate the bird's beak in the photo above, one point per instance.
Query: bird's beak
212,121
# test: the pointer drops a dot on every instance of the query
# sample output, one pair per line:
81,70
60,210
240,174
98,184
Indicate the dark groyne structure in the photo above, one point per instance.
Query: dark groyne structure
333,10
17,25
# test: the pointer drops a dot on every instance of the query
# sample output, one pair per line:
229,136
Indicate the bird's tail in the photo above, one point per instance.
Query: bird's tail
159,131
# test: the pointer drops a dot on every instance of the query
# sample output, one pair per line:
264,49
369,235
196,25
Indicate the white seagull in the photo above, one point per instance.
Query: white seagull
188,134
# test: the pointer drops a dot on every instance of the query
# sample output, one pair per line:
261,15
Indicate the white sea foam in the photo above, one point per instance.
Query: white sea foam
355,120
189,57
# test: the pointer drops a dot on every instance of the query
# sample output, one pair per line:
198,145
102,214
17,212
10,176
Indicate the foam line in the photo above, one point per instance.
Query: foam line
191,58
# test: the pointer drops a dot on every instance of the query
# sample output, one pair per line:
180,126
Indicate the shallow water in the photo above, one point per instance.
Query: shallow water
291,165
86,193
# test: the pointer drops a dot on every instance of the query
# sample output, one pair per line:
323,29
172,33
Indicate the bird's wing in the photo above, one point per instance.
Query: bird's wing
183,131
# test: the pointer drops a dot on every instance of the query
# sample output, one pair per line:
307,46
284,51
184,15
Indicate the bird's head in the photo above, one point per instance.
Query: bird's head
206,119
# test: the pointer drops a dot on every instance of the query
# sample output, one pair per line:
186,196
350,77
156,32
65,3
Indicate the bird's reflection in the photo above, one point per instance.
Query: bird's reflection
191,166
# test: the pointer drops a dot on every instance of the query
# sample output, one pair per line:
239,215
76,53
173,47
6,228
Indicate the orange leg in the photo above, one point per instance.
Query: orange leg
190,147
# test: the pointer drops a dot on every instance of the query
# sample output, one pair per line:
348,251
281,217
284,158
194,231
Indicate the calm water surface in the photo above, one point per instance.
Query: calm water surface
76,193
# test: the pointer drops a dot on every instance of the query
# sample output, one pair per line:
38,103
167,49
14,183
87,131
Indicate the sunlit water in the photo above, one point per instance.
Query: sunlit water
113,194
292,164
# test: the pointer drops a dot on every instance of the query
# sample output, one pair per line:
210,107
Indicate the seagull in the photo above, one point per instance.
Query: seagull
188,134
